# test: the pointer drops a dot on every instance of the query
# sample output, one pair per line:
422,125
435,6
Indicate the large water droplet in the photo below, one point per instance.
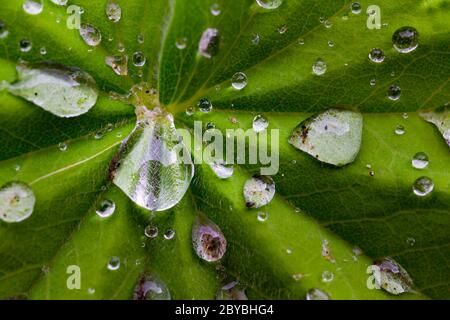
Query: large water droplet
215,9
269,4
3,29
239,80
394,92
113,11
423,186
114,263
209,43
151,288
63,91
258,191
169,234
139,59
319,67
333,136
119,64
16,202
399,130
405,39
317,294
231,291
208,240
391,277
90,34
25,45
420,160
440,117
33,6
155,168
376,55
222,171
204,105
106,208
260,123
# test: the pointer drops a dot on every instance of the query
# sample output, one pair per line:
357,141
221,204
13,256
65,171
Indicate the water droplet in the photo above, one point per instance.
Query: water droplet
60,2
140,38
262,216
90,34
99,134
301,41
215,9
139,59
282,29
17,167
372,173
239,80
405,39
405,115
399,130
231,291
328,24
258,191
391,277
209,43
394,92
62,146
440,117
423,186
91,290
151,288
190,111
113,11
420,160
269,4
119,64
260,123
256,39
356,8
204,105
155,167
106,209
43,51
114,263
208,240
331,43
3,30
317,294
16,202
376,55
333,136
373,82
222,171
63,91
327,276
169,234
151,232
181,43
33,7
25,45
411,241
319,67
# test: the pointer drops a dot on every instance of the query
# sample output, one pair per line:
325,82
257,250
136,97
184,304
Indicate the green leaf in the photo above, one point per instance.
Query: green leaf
323,219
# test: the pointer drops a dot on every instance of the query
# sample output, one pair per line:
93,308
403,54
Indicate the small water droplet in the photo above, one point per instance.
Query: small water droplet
113,11
405,115
208,240
209,43
91,290
239,80
90,34
190,111
356,8
204,105
327,276
139,59
33,7
25,45
405,39
399,130
420,160
114,263
262,216
301,41
328,24
373,82
269,4
231,291
376,55
140,38
282,29
394,92
150,287
151,232
181,43
411,241
256,38
215,9
3,29
319,67
423,186
258,191
62,146
317,294
260,123
99,134
169,234
331,43
222,171
119,64
16,202
60,2
106,208
43,51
